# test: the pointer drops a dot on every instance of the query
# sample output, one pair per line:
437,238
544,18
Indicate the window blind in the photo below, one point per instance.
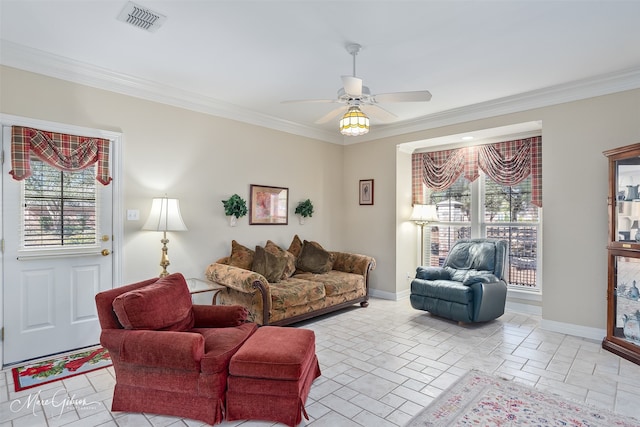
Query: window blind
59,208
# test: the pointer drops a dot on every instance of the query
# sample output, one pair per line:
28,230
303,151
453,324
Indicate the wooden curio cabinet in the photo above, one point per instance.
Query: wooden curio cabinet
623,294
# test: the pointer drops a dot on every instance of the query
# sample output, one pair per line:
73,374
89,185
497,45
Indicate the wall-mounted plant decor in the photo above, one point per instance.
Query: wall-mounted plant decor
304,210
234,207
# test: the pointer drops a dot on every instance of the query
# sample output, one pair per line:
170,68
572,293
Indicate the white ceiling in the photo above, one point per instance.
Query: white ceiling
241,59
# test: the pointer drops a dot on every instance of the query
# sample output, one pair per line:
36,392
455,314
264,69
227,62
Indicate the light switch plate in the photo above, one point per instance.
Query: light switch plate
133,215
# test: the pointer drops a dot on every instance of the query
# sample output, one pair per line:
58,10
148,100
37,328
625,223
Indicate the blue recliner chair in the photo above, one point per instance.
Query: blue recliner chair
469,287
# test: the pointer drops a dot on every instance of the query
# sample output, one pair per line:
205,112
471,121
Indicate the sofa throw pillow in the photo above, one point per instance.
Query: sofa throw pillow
269,265
241,256
290,266
296,246
314,258
164,305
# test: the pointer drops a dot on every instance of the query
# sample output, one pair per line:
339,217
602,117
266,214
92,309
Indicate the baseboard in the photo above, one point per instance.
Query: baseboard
393,296
519,307
512,306
572,329
549,325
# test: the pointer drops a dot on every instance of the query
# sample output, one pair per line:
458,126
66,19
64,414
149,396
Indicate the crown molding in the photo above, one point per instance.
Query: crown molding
604,84
41,62
37,61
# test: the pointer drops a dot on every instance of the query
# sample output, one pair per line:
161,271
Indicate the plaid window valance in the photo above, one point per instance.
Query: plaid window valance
65,152
507,163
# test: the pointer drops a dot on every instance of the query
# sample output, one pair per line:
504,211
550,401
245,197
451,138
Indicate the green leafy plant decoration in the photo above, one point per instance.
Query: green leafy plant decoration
305,209
235,206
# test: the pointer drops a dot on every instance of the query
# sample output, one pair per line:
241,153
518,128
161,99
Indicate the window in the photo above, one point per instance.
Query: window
509,215
59,207
454,213
484,208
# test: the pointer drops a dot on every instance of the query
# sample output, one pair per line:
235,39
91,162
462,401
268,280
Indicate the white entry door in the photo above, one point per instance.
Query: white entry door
58,244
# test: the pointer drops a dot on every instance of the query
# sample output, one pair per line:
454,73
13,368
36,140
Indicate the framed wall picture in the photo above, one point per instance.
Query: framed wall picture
268,205
366,192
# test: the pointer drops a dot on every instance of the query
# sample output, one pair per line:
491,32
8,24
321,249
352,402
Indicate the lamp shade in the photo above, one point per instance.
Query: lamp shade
354,122
165,216
424,214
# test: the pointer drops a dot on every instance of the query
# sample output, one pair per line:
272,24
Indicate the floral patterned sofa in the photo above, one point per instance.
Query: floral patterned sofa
280,287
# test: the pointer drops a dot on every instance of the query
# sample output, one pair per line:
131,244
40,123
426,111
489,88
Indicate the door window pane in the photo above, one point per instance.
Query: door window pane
59,207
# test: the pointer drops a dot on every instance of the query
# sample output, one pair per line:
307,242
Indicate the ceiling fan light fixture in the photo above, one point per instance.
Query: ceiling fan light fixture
354,122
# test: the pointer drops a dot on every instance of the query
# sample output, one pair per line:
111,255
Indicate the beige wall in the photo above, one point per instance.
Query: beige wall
574,196
202,159
197,158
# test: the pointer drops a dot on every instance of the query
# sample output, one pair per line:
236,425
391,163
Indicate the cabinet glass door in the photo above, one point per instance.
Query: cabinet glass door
627,300
628,200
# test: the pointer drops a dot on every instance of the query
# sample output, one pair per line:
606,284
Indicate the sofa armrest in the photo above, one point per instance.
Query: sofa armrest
161,349
489,300
432,273
219,316
236,278
111,339
353,263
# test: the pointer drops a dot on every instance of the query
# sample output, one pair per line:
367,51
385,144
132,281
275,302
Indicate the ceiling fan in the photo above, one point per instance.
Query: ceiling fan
357,99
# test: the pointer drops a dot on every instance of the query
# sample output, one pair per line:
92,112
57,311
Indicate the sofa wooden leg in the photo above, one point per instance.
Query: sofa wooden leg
364,304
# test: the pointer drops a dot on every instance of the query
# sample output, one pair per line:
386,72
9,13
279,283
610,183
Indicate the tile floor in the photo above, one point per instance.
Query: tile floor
380,366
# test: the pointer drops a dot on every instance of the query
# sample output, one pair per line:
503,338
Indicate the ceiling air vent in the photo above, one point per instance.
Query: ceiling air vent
141,17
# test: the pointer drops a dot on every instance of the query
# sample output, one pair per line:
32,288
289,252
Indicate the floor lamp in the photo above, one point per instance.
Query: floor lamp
165,216
421,215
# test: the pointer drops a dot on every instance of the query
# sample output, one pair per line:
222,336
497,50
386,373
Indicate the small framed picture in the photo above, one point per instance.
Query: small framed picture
366,192
268,205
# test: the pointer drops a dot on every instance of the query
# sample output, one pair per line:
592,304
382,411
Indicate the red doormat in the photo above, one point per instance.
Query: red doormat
60,368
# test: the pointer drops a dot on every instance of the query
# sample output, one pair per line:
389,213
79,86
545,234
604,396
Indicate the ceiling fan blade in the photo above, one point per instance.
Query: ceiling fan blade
416,96
331,115
352,85
378,113
308,101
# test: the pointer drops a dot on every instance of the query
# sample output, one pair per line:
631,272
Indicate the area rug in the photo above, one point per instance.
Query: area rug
479,399
60,368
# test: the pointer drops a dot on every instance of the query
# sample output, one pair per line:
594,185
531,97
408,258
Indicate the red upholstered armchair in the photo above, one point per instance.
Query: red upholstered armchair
170,357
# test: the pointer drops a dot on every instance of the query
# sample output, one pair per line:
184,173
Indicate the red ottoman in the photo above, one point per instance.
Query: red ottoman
270,376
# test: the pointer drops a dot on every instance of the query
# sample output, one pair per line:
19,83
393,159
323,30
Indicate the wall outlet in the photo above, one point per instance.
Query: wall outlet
133,215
